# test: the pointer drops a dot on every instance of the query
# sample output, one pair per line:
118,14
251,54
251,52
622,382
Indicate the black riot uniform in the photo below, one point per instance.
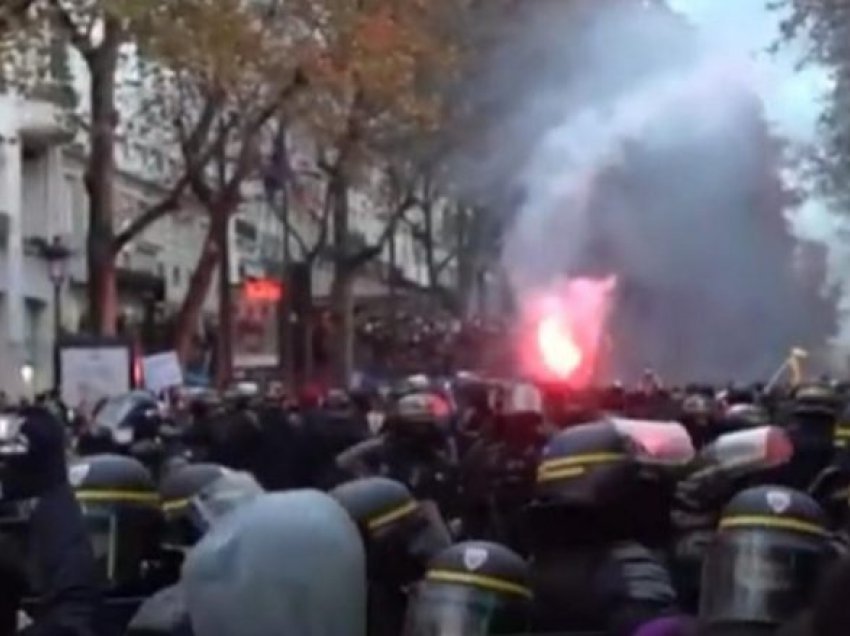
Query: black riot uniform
764,563
589,572
195,498
43,545
414,449
474,588
121,509
401,536
811,426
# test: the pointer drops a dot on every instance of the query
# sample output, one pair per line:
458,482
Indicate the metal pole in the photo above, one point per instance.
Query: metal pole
57,331
286,304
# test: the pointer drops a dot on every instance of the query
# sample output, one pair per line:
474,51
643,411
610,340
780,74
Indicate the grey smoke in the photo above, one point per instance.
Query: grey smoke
625,145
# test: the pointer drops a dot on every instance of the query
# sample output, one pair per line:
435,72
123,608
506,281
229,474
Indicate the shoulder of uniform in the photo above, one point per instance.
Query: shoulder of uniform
362,449
644,575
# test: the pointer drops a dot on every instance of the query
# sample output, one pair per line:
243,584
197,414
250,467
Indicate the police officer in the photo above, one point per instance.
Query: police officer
498,470
589,572
285,563
217,493
698,417
401,536
474,588
414,448
811,426
764,564
120,506
45,543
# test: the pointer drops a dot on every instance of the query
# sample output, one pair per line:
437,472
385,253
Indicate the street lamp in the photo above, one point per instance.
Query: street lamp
57,255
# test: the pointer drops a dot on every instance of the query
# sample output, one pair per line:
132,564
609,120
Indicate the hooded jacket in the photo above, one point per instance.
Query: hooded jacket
286,564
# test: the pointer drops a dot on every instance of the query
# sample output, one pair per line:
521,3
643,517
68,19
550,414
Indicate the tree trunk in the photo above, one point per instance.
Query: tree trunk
99,179
190,311
224,370
392,283
342,306
465,262
430,260
342,287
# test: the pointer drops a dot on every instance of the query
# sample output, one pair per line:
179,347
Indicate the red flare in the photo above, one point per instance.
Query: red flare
563,329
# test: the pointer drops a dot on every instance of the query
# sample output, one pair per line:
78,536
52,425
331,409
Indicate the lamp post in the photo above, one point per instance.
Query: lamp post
56,254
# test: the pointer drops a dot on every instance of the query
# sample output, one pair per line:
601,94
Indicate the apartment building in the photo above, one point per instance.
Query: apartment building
31,201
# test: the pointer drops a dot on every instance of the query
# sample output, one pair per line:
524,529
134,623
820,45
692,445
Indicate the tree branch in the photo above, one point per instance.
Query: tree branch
440,266
368,253
324,229
249,133
170,203
77,37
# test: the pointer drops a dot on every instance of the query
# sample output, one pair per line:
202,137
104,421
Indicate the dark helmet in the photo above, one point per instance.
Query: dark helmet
337,400
401,534
473,588
697,405
764,562
120,504
841,432
176,492
816,400
420,415
585,466
743,416
126,418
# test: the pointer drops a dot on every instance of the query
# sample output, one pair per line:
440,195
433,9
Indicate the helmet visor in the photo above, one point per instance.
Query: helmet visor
461,610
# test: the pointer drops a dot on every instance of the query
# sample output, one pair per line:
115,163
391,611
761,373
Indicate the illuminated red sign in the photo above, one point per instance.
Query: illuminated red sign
262,289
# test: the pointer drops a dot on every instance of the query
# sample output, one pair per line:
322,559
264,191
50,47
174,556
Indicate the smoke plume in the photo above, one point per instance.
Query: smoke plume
626,147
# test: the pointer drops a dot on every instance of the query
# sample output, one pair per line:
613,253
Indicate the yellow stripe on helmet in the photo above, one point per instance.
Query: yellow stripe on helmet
479,580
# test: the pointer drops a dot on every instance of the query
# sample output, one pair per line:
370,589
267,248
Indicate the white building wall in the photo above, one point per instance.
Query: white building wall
31,202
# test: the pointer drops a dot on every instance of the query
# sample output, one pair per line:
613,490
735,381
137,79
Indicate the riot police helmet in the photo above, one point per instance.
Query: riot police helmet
744,416
816,401
401,534
126,418
419,415
474,588
841,431
585,466
120,505
176,491
764,563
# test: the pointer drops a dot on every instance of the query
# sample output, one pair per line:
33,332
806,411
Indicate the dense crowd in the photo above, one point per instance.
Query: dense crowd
464,505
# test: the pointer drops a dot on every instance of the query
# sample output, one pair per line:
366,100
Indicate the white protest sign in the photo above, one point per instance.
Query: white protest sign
162,371
92,373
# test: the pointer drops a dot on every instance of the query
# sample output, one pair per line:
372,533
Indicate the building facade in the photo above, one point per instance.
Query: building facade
43,196
31,203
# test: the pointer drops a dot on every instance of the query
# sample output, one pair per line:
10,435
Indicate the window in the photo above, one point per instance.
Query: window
175,275
246,230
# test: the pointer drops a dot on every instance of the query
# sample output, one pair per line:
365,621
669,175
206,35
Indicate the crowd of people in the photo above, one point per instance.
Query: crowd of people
407,342
464,506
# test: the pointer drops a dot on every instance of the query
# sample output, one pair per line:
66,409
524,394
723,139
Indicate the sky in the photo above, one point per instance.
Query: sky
792,97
